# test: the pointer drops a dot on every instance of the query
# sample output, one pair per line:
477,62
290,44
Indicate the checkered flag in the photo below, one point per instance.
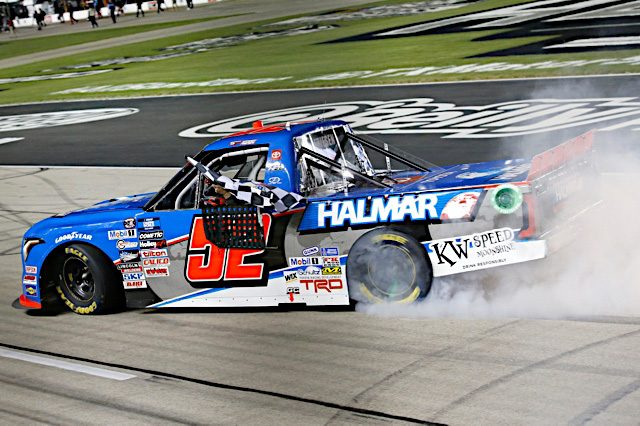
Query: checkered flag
253,193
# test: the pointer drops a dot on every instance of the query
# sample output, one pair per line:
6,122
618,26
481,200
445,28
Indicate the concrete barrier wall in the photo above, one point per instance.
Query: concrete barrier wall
82,15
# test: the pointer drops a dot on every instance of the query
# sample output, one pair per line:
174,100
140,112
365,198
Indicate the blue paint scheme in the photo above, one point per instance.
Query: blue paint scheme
96,221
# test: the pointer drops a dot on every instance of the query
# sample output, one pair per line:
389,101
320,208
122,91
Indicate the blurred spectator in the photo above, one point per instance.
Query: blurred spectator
174,5
92,17
58,8
112,10
139,4
189,4
39,15
160,3
97,5
73,6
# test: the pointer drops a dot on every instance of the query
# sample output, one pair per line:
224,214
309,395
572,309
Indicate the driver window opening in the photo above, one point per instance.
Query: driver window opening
187,186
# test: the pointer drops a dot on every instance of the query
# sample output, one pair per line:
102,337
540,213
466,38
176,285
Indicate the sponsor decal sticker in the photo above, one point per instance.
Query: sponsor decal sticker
330,261
129,255
304,261
153,244
372,210
153,253
310,251
30,289
30,279
479,251
155,261
74,236
461,206
332,270
275,166
290,276
31,269
309,271
152,235
122,244
133,276
323,285
242,143
329,251
134,284
129,268
275,180
122,234
129,223
156,271
276,154
149,223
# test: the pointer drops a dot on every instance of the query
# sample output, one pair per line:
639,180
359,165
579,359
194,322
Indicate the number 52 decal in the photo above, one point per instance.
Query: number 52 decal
209,265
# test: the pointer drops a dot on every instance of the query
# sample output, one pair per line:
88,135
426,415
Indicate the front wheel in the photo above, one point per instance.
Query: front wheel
86,283
386,265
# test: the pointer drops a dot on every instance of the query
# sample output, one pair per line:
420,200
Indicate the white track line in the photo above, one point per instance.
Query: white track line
9,140
65,365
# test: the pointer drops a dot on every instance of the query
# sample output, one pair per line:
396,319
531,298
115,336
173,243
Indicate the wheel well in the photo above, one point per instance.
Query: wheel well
48,269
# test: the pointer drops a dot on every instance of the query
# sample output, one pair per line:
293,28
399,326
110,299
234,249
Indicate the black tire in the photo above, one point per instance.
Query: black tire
86,283
386,265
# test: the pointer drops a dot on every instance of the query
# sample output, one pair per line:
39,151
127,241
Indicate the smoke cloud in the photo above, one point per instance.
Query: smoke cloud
594,274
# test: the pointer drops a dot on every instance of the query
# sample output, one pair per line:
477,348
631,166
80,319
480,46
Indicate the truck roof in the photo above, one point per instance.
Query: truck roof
278,136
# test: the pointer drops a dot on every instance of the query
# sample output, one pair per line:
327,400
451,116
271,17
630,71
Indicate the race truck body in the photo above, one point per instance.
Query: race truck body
306,219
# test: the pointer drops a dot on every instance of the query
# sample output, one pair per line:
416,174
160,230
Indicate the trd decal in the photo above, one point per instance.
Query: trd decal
207,265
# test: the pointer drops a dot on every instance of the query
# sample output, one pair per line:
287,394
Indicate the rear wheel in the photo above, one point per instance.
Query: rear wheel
87,284
386,265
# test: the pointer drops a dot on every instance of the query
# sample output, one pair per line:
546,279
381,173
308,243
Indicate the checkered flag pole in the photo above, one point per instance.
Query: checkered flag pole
250,193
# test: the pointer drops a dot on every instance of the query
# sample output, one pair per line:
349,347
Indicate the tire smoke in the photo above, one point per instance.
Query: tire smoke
594,274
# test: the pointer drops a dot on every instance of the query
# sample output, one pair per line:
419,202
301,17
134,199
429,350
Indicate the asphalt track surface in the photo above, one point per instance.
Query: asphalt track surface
150,137
282,367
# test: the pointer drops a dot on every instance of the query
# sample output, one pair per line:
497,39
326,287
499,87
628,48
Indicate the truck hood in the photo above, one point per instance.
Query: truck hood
92,218
121,203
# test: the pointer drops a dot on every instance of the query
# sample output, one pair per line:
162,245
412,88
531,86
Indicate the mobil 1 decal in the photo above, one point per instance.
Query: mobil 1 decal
208,265
568,26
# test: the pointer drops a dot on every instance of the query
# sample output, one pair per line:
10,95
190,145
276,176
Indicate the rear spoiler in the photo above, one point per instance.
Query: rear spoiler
560,156
562,183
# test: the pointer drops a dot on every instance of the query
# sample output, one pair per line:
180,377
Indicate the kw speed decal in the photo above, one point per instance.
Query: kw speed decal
480,251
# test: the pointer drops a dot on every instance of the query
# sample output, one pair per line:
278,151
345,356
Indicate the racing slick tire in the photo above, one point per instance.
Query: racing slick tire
86,283
386,265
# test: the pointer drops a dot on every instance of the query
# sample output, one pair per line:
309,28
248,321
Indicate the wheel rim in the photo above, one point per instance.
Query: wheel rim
396,276
78,279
